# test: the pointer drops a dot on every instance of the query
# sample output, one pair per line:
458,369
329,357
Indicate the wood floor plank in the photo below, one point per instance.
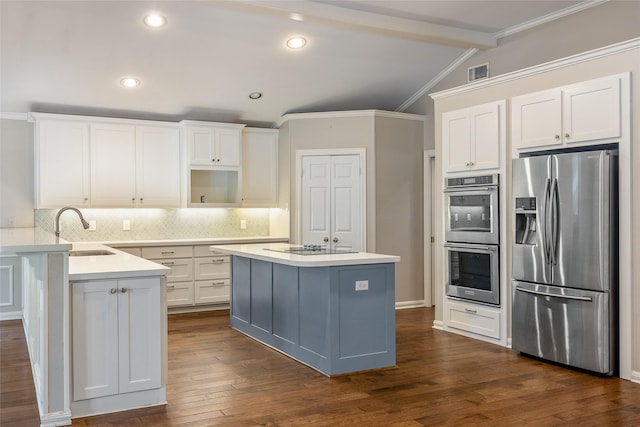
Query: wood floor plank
219,377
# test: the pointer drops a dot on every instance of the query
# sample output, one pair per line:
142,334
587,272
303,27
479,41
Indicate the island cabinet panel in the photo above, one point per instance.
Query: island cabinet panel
241,289
335,319
261,295
285,303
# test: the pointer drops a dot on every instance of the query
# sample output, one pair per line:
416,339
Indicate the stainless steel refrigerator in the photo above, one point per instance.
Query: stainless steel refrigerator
565,268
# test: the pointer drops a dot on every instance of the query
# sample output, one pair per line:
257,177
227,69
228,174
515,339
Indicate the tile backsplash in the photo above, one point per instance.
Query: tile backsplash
156,224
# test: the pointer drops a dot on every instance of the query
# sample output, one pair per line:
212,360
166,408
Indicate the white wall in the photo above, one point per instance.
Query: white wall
16,173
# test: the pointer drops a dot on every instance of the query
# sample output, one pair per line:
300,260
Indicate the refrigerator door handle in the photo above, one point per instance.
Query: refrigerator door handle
546,294
545,215
555,212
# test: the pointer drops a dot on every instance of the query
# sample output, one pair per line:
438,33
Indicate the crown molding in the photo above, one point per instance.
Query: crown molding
350,113
14,116
541,68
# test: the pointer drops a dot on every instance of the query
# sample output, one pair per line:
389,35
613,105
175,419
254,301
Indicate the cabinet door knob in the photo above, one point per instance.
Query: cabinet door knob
557,137
141,199
566,135
335,240
113,290
213,160
123,290
326,239
133,200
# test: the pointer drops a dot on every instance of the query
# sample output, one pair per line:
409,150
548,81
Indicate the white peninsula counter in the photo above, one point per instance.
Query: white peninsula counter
74,309
333,312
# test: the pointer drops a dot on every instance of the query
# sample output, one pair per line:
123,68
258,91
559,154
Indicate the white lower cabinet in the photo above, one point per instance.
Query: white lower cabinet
472,318
117,336
179,294
212,291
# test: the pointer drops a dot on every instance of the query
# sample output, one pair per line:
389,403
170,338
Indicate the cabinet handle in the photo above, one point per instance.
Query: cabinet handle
566,135
171,286
133,200
218,283
167,253
557,137
141,199
466,164
86,199
326,239
471,163
218,260
123,290
113,290
335,240
168,263
468,310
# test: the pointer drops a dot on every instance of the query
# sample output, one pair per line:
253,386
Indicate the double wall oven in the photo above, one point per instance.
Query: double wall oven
472,238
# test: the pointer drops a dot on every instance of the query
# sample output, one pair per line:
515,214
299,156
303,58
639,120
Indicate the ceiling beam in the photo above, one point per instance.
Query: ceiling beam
367,21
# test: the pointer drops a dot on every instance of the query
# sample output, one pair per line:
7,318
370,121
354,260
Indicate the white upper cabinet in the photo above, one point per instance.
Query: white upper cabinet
62,163
135,166
472,137
215,144
259,167
158,180
583,113
113,165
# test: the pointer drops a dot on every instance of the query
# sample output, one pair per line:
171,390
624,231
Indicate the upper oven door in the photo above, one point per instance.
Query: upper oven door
472,215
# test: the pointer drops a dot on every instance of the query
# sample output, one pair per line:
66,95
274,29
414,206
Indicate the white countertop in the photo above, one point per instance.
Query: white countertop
24,240
118,265
262,252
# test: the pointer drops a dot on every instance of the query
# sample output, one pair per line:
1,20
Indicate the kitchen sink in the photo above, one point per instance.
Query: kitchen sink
95,252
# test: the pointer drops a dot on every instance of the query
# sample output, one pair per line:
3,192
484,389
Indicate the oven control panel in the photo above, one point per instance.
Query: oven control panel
471,181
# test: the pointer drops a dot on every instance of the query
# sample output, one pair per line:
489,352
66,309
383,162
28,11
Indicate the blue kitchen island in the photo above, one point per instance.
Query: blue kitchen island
332,312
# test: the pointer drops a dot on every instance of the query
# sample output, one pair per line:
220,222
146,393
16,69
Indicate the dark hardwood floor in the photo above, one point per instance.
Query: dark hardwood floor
219,377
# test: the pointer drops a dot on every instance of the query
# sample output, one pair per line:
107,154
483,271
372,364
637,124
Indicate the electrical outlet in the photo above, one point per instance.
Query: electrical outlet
362,285
243,224
93,225
126,225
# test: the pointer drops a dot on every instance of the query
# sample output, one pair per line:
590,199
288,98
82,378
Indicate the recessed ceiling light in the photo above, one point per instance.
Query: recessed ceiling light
255,95
155,20
296,17
296,42
129,82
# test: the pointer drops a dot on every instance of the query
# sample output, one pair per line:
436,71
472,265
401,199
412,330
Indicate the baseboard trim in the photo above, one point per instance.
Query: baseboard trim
438,324
409,304
56,419
11,315
635,376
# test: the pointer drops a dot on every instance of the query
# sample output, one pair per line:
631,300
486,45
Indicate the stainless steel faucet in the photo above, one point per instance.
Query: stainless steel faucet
85,224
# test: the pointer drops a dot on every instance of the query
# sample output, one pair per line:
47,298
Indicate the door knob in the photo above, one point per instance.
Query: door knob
335,240
113,290
326,239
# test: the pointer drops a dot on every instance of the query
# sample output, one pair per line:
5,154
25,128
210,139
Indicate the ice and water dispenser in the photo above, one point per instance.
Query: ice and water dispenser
526,221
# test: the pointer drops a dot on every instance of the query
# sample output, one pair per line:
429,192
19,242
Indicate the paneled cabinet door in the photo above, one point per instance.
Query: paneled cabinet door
536,119
117,343
113,165
158,166
213,146
472,137
62,164
259,167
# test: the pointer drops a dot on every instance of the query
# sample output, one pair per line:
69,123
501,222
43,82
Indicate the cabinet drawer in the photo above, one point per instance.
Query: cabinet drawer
159,252
216,267
203,251
212,291
472,318
179,293
181,269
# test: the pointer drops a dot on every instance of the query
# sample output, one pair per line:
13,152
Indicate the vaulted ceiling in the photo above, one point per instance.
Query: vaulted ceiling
69,56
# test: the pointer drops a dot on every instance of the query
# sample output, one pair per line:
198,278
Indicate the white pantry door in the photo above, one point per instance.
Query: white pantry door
331,208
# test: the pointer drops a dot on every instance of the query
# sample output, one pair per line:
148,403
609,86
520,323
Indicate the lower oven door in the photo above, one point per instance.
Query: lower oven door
473,272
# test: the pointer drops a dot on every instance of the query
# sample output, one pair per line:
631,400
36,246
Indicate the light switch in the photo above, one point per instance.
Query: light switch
243,224
126,225
362,285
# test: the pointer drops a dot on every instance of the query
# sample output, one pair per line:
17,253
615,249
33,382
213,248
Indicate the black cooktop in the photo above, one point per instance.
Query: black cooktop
310,250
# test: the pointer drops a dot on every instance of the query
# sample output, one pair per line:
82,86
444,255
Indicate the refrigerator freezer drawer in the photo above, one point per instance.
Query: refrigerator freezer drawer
568,326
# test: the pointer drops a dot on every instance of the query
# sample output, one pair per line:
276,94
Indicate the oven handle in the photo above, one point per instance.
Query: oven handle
467,246
468,189
545,294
